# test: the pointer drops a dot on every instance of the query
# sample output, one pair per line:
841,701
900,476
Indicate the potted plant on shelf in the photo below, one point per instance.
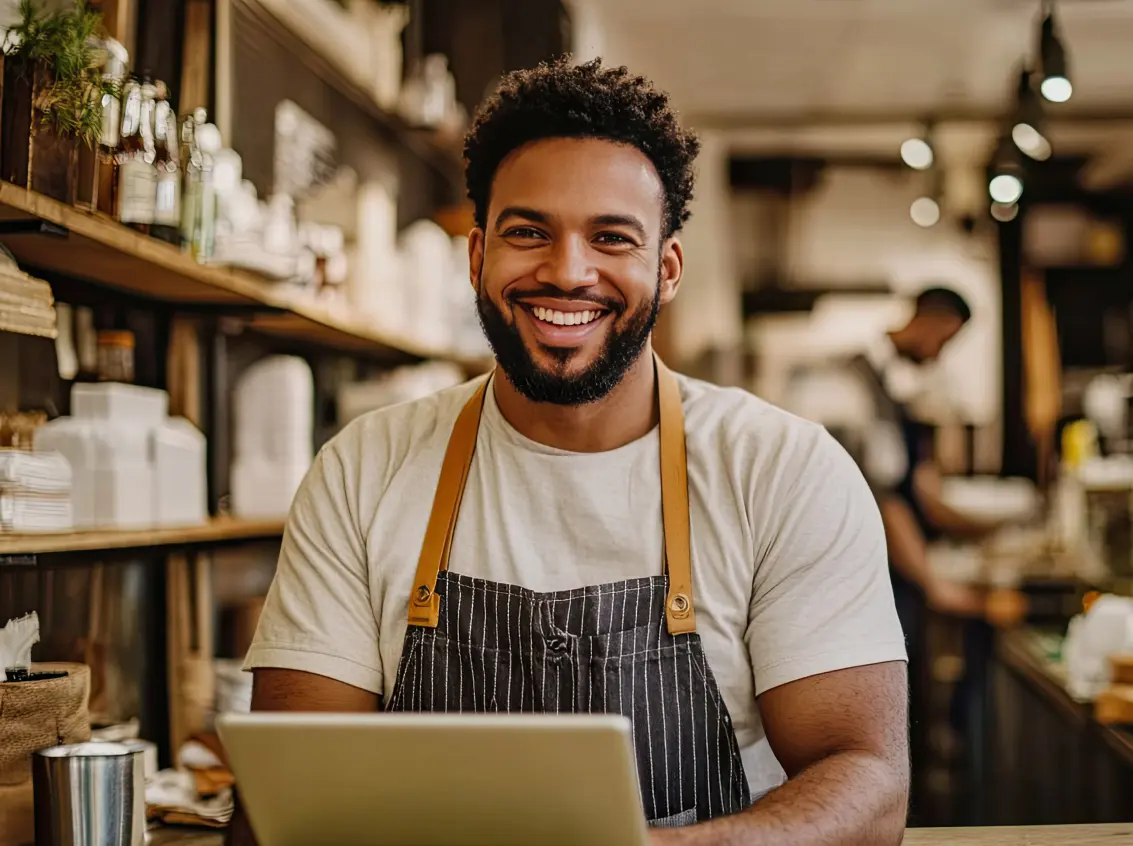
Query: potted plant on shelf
52,96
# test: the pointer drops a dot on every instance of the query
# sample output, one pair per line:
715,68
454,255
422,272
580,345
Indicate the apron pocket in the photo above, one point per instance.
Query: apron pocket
676,820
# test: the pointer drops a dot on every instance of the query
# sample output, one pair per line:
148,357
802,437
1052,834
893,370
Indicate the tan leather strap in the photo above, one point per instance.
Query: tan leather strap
424,607
680,617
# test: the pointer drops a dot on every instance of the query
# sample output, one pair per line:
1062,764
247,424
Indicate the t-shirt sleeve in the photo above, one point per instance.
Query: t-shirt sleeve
318,616
821,598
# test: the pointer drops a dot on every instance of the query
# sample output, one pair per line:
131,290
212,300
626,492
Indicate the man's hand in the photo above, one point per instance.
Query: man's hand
954,599
1002,608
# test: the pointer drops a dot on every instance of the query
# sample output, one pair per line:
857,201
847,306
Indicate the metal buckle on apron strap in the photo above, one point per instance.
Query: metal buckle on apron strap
680,606
425,607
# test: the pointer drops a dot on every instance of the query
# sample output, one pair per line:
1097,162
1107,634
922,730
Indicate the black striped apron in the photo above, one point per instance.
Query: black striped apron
627,648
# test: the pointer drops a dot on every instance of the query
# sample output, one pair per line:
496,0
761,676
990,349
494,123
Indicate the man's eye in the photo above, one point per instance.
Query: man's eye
613,239
523,232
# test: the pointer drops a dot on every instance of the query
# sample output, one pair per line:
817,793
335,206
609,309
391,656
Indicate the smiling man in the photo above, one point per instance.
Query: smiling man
584,530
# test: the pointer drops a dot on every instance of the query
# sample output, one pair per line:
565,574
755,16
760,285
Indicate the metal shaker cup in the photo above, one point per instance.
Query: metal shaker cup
84,795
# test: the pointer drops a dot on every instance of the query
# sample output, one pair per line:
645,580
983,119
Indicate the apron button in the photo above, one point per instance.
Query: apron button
422,595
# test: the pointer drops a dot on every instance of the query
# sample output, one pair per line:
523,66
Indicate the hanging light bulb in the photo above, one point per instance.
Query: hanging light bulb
1003,212
1005,184
1028,130
917,153
925,210
1055,85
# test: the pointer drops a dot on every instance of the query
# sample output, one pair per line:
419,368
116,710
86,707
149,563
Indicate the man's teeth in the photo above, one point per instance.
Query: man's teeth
565,318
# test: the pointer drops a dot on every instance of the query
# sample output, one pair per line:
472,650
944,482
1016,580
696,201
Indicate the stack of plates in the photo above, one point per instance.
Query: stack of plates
27,306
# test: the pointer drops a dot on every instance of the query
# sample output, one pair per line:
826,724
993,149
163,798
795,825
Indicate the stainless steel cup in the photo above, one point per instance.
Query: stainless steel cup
84,795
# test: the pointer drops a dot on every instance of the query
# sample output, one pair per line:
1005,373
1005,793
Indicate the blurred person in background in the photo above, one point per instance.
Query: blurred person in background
891,449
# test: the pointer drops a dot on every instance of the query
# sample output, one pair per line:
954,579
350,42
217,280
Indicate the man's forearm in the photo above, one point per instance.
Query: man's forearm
847,799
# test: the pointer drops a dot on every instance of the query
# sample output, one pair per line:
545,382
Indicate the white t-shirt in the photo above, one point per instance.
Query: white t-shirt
789,565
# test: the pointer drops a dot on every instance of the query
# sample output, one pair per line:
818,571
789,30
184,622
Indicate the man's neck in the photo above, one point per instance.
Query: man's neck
625,414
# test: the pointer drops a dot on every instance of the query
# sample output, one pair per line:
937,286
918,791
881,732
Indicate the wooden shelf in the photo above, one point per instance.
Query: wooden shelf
217,531
56,238
292,30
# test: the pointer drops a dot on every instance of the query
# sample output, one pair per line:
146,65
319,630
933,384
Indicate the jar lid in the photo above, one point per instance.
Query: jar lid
116,338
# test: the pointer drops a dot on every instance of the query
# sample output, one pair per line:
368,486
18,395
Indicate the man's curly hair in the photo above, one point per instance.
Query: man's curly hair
561,100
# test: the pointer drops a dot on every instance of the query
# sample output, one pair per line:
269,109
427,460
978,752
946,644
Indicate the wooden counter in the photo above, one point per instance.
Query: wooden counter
1055,835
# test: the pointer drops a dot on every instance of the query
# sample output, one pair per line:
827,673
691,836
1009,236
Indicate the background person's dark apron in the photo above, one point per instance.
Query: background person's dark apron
968,704
628,647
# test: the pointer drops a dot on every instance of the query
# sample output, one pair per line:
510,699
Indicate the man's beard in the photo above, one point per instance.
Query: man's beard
620,351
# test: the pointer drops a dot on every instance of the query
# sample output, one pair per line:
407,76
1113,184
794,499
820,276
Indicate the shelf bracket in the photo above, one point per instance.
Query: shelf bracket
33,227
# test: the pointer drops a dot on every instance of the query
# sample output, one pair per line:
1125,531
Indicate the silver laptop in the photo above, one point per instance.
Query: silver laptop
436,779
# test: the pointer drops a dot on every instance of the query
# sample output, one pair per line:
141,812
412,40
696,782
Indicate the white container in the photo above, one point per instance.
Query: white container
426,265
262,489
123,477
374,287
273,409
75,441
113,476
116,401
180,473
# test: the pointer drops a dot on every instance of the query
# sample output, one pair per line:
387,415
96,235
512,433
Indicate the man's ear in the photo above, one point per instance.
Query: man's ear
475,256
672,269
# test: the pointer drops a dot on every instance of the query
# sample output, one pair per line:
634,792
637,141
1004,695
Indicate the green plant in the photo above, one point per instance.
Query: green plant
64,44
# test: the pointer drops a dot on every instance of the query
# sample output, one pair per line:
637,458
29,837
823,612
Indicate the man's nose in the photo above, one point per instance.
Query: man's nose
569,265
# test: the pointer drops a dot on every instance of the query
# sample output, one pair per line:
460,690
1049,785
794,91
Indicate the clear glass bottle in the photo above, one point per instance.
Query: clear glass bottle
193,184
137,153
106,179
167,203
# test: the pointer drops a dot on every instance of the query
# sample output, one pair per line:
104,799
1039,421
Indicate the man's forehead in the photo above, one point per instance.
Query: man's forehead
574,177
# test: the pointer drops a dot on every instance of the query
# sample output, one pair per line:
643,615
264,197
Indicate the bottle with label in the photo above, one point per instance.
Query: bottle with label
204,227
193,180
137,154
107,164
167,202
98,166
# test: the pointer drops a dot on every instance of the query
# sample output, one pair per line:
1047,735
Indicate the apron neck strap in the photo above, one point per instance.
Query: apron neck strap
424,604
679,615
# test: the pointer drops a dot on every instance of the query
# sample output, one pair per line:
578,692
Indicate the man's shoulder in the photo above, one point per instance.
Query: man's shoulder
403,428
746,428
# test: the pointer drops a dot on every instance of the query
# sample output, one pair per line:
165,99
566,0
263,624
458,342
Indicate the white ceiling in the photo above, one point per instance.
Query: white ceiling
753,61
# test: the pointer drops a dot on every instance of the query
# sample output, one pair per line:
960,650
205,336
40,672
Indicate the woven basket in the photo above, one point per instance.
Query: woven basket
35,715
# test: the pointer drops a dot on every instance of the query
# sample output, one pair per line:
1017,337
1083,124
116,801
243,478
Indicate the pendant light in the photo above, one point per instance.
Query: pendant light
1055,85
1005,183
1028,131
925,210
917,152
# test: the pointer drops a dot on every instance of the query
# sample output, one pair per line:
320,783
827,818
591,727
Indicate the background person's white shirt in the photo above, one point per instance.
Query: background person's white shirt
788,552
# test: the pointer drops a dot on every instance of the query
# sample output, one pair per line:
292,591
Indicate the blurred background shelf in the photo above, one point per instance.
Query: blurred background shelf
54,239
217,531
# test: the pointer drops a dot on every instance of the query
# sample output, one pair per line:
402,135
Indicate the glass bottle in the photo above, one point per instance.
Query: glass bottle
193,184
167,204
137,173
204,224
106,185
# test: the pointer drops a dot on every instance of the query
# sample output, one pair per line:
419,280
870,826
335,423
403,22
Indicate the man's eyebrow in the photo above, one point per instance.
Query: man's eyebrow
626,220
522,212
